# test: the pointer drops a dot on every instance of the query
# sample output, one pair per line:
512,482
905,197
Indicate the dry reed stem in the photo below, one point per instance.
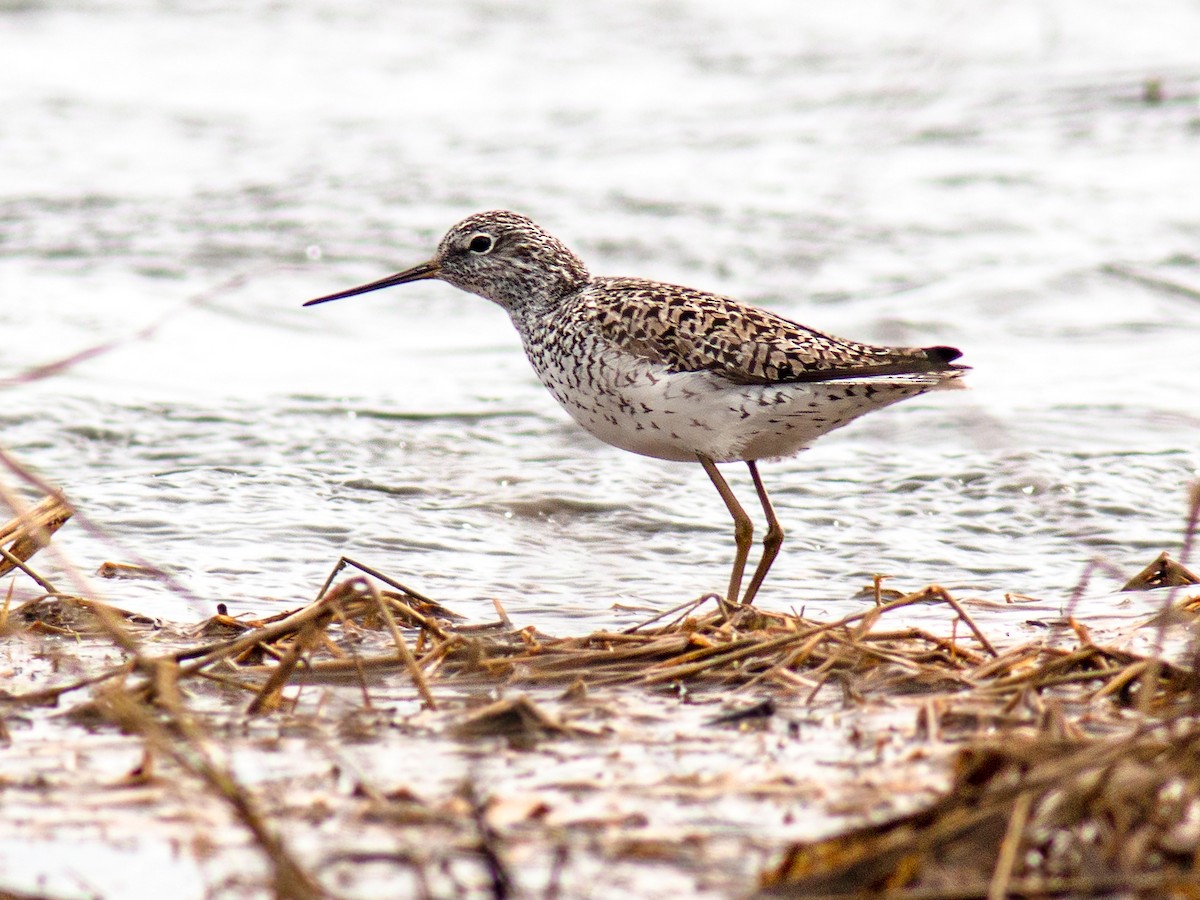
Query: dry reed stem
709,651
30,531
271,693
683,609
184,743
78,579
1191,524
423,621
7,605
970,623
323,609
701,651
794,653
1103,799
10,561
1009,847
402,650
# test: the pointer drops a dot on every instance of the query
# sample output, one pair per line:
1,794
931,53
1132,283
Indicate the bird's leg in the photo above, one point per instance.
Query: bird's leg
771,542
743,528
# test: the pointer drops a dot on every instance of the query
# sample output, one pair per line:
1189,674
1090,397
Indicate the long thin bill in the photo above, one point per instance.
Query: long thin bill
416,273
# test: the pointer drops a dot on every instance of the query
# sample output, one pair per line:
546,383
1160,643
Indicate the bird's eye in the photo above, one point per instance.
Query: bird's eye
481,243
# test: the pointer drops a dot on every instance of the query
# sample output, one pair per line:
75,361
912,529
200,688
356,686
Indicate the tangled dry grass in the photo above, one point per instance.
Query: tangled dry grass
1078,772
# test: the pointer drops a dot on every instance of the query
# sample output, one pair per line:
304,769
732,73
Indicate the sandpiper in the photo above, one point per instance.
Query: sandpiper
673,372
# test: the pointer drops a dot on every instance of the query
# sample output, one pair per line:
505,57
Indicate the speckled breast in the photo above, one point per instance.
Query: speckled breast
643,407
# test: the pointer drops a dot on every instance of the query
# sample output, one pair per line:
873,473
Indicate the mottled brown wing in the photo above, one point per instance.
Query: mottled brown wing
688,330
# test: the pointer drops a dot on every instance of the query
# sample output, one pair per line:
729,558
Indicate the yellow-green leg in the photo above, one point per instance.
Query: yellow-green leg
771,542
743,528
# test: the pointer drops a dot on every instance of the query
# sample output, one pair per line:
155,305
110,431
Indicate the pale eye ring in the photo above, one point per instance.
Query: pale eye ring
480,243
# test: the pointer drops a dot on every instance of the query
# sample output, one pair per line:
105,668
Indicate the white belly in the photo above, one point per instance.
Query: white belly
641,407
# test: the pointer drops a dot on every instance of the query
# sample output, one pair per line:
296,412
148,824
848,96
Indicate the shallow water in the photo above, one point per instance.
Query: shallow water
944,179
993,179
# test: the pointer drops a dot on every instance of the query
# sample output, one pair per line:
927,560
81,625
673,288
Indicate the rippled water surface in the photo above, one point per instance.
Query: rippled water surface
1017,179
1005,180
994,179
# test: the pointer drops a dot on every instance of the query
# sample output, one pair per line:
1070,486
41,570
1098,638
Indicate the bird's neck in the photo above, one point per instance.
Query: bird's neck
534,294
